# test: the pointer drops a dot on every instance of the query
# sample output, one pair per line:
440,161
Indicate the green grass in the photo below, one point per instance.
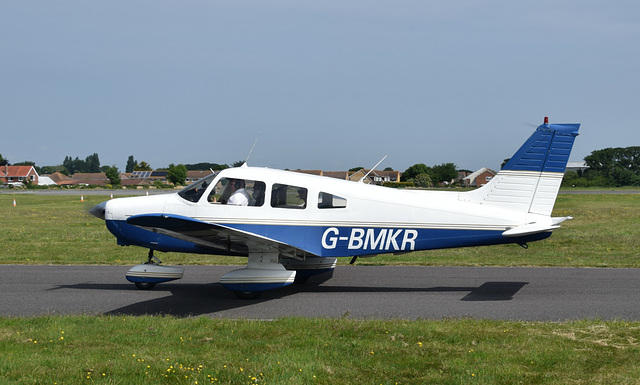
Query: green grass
58,350
47,229
54,229
143,350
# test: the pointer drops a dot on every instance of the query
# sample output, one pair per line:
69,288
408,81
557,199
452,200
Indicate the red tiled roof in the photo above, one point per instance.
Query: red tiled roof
15,171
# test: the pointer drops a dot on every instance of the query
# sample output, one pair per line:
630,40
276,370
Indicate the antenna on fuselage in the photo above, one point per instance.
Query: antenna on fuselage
367,174
250,151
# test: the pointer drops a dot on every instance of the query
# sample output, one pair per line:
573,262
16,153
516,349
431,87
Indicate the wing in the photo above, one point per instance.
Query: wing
219,238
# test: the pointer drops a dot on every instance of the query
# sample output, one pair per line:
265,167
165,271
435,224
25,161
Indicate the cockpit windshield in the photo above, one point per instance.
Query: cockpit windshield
194,191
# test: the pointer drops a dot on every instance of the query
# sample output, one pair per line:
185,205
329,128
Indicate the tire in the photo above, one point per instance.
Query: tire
300,280
247,294
144,285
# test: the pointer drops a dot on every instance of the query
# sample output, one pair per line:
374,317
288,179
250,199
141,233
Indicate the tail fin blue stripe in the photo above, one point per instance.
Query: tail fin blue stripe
548,149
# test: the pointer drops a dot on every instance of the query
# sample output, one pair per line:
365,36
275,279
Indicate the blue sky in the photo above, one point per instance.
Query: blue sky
325,85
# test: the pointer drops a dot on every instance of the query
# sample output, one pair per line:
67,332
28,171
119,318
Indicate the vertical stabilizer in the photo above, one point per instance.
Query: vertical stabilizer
531,179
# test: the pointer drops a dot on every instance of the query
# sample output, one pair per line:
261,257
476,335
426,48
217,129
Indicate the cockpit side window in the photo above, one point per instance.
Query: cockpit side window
238,192
330,201
287,196
194,191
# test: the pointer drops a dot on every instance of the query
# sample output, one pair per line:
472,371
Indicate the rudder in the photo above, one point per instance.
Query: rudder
530,180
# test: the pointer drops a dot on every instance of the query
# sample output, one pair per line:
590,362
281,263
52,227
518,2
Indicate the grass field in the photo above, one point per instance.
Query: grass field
57,350
47,229
158,350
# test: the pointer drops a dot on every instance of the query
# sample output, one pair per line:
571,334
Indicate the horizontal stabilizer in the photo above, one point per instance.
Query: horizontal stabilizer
534,228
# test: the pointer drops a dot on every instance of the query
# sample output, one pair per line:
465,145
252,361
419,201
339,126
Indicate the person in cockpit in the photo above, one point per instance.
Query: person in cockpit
258,193
239,196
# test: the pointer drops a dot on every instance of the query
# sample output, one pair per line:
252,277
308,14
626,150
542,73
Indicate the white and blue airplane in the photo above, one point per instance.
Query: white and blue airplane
292,225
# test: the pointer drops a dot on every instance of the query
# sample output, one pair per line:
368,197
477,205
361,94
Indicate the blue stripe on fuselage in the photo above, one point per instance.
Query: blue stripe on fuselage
329,241
351,241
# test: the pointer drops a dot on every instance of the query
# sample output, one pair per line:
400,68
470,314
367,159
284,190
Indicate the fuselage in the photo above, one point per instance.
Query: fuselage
323,216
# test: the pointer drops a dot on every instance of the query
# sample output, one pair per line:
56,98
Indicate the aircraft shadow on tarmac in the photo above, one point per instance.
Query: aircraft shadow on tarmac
198,299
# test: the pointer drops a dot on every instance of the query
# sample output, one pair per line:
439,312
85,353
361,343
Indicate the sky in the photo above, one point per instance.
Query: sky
325,85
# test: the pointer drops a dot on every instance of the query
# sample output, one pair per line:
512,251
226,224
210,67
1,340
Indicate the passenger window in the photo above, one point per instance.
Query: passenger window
290,197
238,192
330,201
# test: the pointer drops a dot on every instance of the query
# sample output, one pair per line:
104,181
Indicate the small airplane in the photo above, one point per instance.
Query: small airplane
292,226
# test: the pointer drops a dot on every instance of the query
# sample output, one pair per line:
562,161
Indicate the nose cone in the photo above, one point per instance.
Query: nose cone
99,210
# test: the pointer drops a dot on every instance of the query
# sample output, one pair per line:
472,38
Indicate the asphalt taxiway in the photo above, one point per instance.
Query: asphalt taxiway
379,292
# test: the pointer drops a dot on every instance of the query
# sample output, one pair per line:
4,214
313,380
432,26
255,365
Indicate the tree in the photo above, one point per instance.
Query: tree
354,169
68,165
74,166
25,163
92,163
618,166
131,164
445,172
206,166
422,180
413,171
177,174
3,161
142,166
52,169
114,176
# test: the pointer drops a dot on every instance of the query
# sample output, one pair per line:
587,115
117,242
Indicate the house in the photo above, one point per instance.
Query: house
60,179
193,176
344,175
479,178
310,172
381,177
92,179
375,176
578,167
16,175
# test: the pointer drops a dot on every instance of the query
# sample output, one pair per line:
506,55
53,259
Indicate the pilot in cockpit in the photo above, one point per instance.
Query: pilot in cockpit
239,196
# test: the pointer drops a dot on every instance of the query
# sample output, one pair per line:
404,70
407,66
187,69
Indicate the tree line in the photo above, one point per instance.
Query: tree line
421,175
176,174
609,167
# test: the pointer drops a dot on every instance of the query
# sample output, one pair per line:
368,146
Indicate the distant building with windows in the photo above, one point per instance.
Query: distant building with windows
17,175
372,176
479,178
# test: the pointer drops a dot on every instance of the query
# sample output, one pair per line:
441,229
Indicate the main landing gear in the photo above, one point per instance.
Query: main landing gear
145,276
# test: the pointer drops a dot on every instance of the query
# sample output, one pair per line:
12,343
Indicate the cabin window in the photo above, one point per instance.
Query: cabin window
290,197
194,191
238,192
330,201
